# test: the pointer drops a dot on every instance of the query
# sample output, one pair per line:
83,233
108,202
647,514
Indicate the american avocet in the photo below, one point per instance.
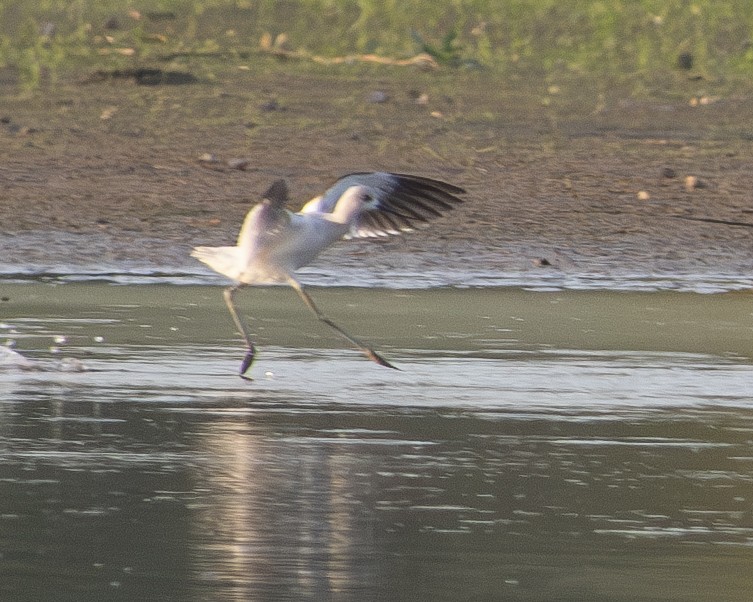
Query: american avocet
274,242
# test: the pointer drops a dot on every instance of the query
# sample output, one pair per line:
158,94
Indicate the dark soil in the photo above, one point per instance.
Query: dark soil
577,175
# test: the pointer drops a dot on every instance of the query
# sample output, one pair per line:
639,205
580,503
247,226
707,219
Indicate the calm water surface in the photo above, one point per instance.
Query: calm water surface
534,446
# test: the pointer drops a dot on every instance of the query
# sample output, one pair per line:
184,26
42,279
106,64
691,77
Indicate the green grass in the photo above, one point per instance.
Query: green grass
45,39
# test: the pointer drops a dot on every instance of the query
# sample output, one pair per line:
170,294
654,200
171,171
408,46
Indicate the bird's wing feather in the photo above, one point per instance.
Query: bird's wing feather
266,218
277,194
399,202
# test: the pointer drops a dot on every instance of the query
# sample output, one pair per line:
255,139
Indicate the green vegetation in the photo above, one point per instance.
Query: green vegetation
45,39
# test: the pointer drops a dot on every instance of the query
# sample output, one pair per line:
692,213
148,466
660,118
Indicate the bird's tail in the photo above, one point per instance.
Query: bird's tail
223,260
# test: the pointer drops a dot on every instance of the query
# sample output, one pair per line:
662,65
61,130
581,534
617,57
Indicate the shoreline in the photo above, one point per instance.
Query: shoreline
555,189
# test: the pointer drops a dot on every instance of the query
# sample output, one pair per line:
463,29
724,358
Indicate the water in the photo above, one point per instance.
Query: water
104,257
569,445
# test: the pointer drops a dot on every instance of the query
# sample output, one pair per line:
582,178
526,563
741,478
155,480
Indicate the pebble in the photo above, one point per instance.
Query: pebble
377,97
668,172
693,182
420,98
47,30
108,113
542,262
685,60
241,164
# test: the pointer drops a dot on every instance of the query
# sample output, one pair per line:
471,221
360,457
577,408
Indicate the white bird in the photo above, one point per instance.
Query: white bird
274,242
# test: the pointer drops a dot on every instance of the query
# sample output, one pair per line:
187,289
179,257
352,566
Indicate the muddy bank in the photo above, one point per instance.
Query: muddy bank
572,175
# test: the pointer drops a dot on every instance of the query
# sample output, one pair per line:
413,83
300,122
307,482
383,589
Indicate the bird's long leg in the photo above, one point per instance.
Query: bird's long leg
365,349
251,353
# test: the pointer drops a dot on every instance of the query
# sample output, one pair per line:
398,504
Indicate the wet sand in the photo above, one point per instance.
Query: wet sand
567,175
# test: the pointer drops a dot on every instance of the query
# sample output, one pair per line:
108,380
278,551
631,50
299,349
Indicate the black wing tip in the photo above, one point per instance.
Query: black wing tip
412,179
405,202
277,193
423,181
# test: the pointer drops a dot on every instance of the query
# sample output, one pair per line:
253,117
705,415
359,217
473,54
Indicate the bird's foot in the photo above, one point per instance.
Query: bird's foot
375,357
246,364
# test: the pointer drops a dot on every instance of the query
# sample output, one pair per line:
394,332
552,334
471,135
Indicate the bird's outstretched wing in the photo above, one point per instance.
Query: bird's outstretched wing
398,202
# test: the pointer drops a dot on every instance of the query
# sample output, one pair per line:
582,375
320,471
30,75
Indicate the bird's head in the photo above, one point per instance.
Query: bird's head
353,202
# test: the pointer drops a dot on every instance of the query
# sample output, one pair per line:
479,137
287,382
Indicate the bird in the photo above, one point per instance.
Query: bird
274,242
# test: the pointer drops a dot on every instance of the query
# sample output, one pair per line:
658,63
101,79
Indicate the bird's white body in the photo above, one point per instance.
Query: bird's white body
263,258
274,242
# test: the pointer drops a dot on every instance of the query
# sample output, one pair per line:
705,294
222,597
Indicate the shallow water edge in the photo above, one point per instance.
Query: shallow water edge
480,320
561,445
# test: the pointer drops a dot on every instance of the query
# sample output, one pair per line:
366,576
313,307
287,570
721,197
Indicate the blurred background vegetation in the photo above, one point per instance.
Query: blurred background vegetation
44,40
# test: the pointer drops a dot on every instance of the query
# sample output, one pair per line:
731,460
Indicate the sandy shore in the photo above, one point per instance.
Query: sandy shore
566,181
